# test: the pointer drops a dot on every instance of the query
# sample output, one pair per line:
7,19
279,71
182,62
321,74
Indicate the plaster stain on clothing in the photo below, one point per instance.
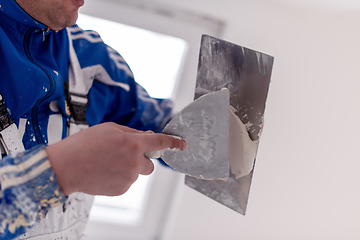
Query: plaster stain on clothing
54,106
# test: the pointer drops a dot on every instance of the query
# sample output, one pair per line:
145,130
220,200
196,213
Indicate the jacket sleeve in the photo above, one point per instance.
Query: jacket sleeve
126,102
132,106
28,190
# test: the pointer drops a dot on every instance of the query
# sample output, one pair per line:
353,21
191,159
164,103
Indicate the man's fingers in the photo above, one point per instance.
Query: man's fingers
158,141
148,167
123,128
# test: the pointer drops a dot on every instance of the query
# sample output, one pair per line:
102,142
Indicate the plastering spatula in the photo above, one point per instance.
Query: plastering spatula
204,124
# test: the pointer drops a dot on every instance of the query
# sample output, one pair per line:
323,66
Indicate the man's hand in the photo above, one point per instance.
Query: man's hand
105,159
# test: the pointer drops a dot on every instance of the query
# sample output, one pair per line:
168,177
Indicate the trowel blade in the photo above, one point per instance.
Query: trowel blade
204,124
246,73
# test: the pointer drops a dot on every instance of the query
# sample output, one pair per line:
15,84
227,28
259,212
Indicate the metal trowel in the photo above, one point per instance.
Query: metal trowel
222,126
246,73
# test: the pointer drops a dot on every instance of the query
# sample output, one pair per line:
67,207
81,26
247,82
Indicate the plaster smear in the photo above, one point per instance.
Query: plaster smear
242,150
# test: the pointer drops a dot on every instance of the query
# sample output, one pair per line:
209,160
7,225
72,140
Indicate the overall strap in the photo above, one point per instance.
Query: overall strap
77,93
10,141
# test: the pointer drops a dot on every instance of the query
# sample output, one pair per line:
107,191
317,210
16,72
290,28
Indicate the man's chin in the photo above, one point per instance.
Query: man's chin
72,21
65,25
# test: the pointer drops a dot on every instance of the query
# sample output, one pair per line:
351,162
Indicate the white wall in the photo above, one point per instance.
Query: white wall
306,183
306,180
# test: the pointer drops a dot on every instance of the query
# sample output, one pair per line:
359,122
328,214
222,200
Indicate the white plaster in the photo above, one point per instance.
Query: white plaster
242,150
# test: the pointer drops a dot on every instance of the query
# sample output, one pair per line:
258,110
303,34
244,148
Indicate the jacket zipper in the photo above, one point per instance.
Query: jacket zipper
34,109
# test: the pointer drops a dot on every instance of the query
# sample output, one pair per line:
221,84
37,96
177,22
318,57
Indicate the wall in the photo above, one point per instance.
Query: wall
306,180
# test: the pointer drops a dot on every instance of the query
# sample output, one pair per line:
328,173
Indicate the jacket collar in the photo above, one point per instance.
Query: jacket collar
11,9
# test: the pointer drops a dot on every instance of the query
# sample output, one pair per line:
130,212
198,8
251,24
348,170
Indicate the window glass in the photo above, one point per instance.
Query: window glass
125,209
154,58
